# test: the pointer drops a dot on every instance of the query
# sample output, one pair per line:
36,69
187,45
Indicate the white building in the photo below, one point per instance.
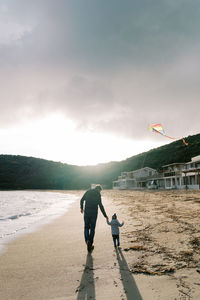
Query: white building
134,180
172,176
192,173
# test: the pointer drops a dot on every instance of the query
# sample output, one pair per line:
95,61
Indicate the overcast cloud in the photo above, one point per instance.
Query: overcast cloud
108,65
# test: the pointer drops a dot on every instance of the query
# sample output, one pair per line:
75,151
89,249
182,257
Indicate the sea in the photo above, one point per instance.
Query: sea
24,211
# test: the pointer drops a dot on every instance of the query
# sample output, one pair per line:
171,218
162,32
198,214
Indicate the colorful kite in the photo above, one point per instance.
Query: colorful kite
159,129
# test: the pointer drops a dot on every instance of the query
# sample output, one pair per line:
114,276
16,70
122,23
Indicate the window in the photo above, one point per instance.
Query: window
169,174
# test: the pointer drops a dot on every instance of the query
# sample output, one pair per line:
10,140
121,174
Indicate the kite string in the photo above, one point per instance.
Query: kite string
144,160
142,166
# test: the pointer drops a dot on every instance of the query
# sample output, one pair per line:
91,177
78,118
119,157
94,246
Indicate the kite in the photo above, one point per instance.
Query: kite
159,129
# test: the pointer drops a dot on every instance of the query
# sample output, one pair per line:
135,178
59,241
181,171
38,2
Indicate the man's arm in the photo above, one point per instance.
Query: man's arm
81,202
109,223
102,208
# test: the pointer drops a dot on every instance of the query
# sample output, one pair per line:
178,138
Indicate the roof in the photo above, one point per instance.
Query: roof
192,170
173,164
196,158
145,168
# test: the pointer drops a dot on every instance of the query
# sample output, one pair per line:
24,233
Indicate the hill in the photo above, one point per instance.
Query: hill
20,172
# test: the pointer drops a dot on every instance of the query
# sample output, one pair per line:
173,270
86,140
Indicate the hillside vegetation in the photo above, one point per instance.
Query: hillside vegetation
20,172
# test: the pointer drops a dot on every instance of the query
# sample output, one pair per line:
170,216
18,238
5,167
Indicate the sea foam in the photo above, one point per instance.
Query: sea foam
24,211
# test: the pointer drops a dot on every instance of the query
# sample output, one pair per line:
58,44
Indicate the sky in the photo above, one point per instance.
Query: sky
80,80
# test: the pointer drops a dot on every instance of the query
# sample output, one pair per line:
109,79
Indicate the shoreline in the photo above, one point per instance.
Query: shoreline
52,263
37,224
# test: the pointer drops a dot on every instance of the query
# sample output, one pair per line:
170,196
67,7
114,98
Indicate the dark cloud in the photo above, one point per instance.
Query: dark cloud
109,65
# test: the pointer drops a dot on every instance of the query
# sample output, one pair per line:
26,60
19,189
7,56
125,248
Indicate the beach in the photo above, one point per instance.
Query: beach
159,256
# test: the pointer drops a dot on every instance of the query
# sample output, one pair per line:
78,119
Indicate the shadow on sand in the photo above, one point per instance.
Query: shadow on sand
129,284
86,289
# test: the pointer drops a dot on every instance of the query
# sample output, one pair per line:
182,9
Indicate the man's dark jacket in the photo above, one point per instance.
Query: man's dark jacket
92,200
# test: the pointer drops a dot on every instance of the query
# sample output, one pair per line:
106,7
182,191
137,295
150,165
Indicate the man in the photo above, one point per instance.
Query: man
92,200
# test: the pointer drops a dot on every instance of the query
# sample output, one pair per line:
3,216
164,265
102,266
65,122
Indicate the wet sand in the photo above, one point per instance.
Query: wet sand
159,256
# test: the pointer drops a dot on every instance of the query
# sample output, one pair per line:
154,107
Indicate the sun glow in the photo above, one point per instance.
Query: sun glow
55,138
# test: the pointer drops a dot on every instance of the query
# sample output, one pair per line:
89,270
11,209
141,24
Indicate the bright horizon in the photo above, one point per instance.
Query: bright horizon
57,139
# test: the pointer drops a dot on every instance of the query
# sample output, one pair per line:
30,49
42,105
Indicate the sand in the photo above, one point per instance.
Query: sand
159,256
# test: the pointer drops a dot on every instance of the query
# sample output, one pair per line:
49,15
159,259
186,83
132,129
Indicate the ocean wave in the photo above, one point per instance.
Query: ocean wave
15,217
26,210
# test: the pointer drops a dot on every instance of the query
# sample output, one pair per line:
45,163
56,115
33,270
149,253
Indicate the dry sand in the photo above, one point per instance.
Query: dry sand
159,256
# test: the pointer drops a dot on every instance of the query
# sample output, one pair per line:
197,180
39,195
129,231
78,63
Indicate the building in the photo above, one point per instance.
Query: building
135,179
172,176
192,173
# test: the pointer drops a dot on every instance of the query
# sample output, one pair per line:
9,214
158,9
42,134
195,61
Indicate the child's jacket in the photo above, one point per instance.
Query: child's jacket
115,226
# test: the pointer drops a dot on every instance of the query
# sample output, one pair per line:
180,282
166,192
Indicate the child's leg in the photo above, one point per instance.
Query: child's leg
118,243
114,240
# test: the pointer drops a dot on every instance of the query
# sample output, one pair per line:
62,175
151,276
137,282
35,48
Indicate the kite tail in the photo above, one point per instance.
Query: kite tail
171,137
186,144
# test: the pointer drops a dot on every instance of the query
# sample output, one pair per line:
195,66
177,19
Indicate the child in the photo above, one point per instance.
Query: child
115,229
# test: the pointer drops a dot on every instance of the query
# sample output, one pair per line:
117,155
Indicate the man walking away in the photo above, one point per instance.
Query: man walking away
92,200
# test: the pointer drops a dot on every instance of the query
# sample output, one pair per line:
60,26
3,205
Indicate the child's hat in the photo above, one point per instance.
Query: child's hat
114,216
